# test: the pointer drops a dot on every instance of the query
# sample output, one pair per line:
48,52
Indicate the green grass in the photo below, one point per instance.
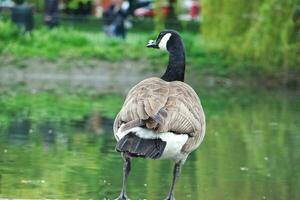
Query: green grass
67,42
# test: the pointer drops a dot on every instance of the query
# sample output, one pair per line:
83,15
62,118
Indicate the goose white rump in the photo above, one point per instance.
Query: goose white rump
174,141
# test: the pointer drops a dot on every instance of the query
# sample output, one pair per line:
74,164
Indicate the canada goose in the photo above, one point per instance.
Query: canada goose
161,118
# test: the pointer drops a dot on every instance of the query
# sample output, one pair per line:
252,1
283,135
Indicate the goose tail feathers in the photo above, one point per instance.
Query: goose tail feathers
141,147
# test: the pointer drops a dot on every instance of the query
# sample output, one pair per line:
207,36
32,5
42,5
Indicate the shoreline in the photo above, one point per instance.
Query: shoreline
105,76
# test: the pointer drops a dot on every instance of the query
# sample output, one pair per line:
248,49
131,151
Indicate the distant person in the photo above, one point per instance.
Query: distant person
51,13
114,19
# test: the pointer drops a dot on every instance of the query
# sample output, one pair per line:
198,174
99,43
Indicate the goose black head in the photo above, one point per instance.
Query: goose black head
170,40
166,40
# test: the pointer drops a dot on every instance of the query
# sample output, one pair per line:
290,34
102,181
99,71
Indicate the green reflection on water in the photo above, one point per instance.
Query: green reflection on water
251,151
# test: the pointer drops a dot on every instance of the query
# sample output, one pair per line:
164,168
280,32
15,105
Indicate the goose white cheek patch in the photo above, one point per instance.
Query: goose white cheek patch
163,42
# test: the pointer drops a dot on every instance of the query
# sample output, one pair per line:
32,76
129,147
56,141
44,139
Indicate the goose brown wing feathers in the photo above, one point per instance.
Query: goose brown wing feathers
164,107
186,115
146,101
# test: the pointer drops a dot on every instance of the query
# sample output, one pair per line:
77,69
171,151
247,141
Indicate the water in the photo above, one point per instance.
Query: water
251,151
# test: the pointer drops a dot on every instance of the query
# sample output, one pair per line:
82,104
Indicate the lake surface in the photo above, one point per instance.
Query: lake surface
251,151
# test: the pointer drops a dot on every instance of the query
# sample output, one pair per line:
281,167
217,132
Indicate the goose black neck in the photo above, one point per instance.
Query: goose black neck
176,67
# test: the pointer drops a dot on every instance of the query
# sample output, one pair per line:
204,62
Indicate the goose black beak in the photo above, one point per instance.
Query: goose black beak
152,44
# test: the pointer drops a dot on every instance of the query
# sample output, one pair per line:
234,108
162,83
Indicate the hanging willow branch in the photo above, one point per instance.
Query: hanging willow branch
263,33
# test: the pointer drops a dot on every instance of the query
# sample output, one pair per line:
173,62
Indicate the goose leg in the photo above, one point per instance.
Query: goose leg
176,173
126,170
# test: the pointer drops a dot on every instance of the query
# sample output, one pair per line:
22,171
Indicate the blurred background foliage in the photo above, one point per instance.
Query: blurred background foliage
236,37
260,34
73,4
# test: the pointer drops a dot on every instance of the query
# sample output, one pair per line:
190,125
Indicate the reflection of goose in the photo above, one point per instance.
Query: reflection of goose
19,131
48,131
161,118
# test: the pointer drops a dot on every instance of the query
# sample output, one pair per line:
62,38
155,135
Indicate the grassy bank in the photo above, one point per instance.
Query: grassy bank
66,43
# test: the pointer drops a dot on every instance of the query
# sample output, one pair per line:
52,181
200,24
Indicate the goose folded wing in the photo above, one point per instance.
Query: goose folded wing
181,117
145,102
186,116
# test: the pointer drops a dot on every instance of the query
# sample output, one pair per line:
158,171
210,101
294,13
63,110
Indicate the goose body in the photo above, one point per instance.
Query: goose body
170,110
161,118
